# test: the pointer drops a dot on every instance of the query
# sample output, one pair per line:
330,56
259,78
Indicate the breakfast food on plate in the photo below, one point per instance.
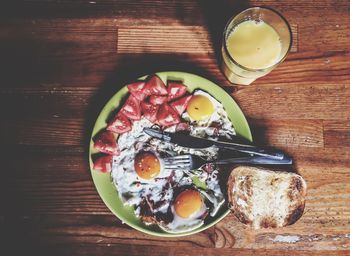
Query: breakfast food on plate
263,198
176,201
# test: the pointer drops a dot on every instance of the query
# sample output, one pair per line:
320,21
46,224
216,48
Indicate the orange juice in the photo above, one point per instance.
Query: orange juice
254,45
255,42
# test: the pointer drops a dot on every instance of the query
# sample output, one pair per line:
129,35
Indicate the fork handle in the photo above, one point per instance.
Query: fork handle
256,160
266,152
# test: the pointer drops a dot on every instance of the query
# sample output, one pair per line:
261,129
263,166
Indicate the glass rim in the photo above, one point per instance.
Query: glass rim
262,69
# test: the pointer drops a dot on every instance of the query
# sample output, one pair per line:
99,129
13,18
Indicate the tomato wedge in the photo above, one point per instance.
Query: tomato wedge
167,116
105,142
181,104
131,108
149,111
176,90
103,163
158,99
136,89
119,124
155,86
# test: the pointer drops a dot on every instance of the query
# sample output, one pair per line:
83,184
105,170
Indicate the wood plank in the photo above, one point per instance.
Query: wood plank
69,92
288,133
64,51
53,102
174,39
141,250
100,230
303,235
189,11
73,68
298,101
312,68
337,133
54,131
332,36
49,53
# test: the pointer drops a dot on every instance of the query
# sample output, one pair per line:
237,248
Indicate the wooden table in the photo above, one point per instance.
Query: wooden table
61,61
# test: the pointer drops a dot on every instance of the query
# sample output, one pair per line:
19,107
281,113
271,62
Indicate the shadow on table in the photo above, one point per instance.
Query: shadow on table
216,14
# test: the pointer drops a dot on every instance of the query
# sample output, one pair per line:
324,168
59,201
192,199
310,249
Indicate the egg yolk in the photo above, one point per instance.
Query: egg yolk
147,165
200,108
187,203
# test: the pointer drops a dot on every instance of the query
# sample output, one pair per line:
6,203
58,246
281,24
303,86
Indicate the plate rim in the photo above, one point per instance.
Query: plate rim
92,171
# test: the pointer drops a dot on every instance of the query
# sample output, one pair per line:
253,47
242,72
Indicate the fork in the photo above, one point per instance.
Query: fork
191,162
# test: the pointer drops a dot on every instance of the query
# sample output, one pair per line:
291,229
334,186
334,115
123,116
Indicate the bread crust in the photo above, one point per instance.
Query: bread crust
264,198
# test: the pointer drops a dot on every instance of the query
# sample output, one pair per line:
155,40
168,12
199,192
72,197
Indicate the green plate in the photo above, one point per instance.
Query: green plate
103,182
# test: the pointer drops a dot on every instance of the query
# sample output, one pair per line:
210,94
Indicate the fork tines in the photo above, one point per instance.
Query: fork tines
178,162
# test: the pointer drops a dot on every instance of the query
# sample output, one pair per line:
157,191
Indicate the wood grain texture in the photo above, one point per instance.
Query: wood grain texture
172,39
337,133
62,60
101,230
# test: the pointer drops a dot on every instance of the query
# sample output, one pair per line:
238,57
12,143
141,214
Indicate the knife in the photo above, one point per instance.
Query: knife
188,141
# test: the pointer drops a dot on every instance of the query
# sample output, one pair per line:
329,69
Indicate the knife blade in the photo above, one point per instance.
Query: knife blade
188,141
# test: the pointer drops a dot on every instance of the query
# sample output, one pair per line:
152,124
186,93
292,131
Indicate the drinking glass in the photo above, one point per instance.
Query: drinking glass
237,73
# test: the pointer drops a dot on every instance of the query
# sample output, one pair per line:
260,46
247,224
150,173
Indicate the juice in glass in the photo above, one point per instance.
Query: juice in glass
255,42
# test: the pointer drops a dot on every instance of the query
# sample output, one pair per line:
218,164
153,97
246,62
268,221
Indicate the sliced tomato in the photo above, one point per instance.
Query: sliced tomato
103,163
136,89
119,124
131,108
155,86
181,104
105,142
176,90
167,116
150,111
158,99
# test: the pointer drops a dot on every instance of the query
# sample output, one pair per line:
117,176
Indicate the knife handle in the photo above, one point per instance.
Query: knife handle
256,160
266,152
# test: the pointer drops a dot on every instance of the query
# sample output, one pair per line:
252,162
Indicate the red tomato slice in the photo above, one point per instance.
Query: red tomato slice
150,111
158,99
103,163
105,142
119,124
167,116
181,104
176,90
155,86
131,108
136,89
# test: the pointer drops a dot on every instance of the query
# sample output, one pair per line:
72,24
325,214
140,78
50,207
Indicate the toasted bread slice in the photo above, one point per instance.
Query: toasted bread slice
266,199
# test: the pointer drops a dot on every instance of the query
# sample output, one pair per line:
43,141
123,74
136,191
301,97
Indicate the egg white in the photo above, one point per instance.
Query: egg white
204,128
179,224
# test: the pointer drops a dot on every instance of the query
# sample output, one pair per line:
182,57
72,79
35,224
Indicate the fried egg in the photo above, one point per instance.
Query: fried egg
189,211
207,116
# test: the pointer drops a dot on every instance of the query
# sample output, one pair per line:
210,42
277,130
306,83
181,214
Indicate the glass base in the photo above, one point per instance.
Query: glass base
234,78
